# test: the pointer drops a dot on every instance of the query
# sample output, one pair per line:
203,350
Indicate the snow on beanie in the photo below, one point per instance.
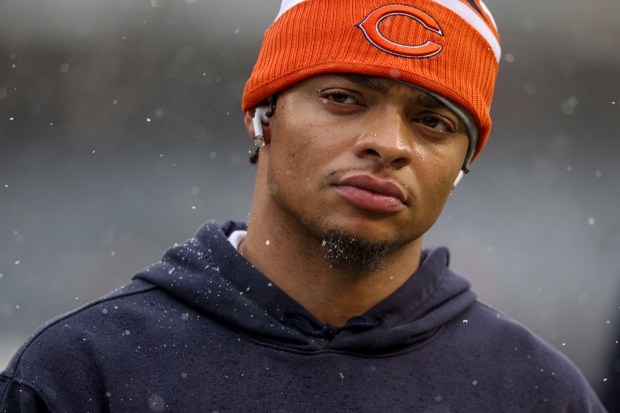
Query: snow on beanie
448,47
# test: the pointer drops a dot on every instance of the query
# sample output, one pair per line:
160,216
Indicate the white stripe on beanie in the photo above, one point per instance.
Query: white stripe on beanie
458,7
287,4
476,21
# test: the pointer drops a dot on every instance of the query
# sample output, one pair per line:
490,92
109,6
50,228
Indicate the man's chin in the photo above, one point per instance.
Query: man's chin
352,253
370,233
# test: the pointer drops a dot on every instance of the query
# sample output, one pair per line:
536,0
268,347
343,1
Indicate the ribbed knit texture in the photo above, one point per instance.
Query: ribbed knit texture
321,36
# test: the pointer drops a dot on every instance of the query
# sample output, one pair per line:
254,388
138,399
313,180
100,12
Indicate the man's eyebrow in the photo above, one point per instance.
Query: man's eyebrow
424,99
376,83
382,85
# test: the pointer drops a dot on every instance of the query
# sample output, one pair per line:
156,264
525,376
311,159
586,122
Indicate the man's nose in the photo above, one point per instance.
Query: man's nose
386,139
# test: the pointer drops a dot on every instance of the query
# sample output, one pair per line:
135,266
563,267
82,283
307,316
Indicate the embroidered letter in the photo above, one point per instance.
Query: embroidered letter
370,26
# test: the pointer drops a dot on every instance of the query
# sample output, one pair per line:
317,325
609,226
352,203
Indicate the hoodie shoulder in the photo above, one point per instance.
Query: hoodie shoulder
59,329
61,350
524,362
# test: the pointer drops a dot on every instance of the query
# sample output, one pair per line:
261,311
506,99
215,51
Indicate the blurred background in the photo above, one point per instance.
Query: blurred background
121,132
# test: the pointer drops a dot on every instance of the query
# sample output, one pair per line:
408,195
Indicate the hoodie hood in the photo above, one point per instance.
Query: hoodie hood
207,274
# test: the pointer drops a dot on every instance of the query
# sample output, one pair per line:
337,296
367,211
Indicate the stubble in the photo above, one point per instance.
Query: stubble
353,255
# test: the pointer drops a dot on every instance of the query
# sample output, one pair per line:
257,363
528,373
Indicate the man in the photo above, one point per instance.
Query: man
366,112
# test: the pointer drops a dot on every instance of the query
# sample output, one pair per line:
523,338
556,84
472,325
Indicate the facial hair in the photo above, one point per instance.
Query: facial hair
352,254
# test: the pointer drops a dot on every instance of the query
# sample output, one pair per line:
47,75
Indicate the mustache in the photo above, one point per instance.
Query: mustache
334,174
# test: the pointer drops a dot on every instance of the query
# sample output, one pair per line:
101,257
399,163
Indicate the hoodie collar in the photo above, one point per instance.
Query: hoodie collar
209,275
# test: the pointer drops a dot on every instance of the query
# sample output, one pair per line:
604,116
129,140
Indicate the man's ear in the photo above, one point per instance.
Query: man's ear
257,123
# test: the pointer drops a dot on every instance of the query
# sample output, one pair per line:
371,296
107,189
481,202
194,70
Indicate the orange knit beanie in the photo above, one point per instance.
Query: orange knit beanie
448,47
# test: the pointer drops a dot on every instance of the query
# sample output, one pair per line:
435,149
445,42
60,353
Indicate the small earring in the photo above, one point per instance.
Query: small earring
259,142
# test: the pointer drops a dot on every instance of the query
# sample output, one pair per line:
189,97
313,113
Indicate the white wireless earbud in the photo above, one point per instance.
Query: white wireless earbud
260,118
458,178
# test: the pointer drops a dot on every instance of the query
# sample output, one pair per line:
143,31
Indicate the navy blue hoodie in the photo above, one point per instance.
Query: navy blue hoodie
204,331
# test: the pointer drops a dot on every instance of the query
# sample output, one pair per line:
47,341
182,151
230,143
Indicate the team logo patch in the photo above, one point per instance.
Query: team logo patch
371,27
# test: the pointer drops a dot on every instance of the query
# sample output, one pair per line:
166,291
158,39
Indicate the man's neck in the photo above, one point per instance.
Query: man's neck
295,261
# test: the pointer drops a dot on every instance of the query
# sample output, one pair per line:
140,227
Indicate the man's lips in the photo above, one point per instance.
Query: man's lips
372,194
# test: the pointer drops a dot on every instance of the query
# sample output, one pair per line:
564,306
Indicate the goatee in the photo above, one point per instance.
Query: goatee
352,254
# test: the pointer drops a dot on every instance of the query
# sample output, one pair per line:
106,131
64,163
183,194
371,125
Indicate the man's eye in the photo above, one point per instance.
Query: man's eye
339,97
436,123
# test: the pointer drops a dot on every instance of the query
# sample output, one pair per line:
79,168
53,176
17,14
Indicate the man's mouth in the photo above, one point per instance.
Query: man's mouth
367,192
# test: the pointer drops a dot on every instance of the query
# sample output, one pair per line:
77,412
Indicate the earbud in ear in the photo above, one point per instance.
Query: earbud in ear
260,118
458,178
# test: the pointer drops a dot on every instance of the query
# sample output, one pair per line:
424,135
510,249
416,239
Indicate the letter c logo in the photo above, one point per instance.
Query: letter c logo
370,27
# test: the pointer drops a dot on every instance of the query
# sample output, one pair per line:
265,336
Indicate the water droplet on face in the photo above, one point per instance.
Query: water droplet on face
368,134
272,188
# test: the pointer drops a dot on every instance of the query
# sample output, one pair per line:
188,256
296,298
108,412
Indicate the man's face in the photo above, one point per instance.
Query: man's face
370,157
